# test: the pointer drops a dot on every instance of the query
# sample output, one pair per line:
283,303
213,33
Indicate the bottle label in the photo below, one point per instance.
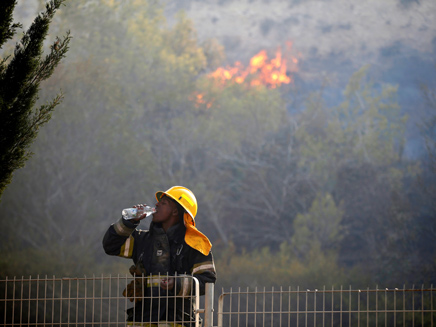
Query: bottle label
129,213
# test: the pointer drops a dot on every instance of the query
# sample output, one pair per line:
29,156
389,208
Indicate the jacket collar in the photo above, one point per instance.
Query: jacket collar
175,233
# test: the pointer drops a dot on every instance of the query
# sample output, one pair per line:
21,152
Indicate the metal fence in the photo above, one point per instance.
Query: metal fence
328,307
99,301
90,301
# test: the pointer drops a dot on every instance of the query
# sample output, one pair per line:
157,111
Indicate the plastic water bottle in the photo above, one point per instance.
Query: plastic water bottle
132,213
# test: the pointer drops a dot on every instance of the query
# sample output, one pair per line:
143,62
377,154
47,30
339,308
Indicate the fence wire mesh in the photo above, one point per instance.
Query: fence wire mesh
87,301
327,307
99,301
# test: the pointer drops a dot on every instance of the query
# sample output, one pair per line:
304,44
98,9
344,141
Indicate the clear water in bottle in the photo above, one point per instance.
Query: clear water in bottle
132,213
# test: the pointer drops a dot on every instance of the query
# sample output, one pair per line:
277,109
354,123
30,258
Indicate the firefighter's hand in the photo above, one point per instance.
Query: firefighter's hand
167,283
139,207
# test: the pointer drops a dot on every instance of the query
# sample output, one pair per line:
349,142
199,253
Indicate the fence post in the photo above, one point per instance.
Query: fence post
208,305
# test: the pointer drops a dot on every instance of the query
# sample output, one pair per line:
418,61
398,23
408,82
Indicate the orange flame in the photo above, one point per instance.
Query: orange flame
261,71
200,101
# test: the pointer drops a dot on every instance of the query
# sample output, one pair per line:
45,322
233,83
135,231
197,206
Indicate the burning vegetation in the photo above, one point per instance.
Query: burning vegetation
271,73
261,71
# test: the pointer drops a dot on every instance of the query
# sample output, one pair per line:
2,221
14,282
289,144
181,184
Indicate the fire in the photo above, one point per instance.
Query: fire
261,71
200,100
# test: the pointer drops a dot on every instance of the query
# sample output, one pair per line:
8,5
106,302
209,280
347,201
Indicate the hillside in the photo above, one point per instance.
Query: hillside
330,38
356,29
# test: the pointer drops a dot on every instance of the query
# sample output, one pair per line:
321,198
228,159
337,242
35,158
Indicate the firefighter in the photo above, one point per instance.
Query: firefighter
165,257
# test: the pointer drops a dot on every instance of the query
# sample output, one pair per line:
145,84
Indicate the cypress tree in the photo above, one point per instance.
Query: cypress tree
20,78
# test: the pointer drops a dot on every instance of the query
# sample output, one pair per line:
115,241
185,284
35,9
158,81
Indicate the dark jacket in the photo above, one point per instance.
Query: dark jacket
155,253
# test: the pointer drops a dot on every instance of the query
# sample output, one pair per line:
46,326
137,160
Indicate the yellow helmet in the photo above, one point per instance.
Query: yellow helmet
183,196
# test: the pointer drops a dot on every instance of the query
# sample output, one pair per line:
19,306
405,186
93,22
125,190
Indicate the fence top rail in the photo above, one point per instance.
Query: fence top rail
289,290
84,278
248,290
